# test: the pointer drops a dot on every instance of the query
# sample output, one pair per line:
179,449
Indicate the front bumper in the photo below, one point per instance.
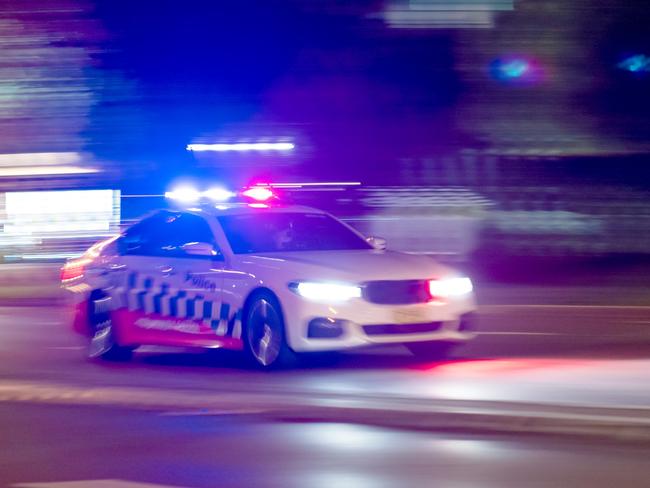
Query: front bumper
321,327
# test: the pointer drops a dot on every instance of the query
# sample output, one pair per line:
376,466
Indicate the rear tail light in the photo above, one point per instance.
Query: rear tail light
73,270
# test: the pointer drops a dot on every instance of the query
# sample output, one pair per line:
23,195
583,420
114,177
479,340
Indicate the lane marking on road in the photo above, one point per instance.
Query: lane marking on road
92,484
212,412
496,308
532,334
130,397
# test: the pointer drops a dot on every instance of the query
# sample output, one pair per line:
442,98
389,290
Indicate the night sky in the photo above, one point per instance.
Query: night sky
133,82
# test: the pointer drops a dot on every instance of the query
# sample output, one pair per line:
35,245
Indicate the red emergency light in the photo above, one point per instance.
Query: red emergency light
259,193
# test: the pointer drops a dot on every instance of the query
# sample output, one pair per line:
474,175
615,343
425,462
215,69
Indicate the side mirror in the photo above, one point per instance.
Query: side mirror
200,249
378,243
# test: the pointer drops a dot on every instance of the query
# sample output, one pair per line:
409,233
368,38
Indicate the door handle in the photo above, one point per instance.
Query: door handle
166,270
112,269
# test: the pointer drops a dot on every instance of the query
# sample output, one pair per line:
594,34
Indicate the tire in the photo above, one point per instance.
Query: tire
430,351
102,343
265,341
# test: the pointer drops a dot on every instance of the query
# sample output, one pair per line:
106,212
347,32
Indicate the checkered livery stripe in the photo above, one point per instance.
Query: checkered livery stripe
142,293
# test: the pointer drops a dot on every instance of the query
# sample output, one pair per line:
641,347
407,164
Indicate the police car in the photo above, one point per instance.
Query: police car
267,279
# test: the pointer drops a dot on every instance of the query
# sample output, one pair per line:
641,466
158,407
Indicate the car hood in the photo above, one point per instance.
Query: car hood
353,265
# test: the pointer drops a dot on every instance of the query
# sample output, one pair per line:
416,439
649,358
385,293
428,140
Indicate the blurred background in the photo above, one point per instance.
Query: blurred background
481,131
508,137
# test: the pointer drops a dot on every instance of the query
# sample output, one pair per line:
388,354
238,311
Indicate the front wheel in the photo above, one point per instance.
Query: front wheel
430,351
102,342
264,336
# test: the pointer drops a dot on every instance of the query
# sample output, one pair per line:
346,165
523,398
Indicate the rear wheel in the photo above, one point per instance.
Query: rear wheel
430,350
102,342
264,335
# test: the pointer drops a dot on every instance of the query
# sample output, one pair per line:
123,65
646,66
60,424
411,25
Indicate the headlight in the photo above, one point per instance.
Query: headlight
450,287
326,292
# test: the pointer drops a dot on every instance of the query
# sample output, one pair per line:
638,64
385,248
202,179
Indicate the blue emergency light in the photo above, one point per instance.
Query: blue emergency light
189,194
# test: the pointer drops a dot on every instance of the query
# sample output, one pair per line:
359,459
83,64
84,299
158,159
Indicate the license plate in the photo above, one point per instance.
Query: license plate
411,316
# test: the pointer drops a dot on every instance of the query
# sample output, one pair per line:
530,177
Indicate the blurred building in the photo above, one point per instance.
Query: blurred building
530,111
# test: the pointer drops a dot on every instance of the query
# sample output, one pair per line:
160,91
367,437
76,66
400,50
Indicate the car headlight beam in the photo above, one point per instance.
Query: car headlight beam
450,287
326,292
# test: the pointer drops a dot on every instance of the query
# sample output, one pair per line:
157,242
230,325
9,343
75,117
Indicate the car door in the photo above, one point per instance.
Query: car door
171,295
136,275
194,264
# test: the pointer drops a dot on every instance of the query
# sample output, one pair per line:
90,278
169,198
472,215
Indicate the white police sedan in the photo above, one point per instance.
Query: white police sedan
269,280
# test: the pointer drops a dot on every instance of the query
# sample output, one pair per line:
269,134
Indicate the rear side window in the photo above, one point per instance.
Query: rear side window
165,234
142,238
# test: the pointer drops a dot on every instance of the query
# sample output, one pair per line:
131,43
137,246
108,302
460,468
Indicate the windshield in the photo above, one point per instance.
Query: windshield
280,232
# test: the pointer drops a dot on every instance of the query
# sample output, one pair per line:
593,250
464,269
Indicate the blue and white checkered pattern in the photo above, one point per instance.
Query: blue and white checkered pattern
143,293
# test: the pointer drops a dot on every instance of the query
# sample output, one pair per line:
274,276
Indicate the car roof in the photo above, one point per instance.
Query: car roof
238,209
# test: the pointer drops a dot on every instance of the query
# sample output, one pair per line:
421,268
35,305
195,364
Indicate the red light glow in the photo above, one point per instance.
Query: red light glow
434,293
258,193
74,269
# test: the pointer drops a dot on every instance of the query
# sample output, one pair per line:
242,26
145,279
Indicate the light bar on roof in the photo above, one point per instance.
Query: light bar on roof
218,194
243,146
189,194
184,194
259,193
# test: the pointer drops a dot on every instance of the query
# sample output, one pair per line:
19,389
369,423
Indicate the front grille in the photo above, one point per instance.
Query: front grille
396,329
396,292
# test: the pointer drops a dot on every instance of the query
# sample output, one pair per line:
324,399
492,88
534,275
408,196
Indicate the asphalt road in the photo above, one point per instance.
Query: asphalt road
65,447
63,418
527,354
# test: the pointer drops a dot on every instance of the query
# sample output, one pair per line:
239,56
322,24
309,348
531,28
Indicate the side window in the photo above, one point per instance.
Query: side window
142,238
183,229
165,234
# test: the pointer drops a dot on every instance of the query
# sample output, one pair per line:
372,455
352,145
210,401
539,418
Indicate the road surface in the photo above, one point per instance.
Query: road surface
521,355
64,419
43,445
